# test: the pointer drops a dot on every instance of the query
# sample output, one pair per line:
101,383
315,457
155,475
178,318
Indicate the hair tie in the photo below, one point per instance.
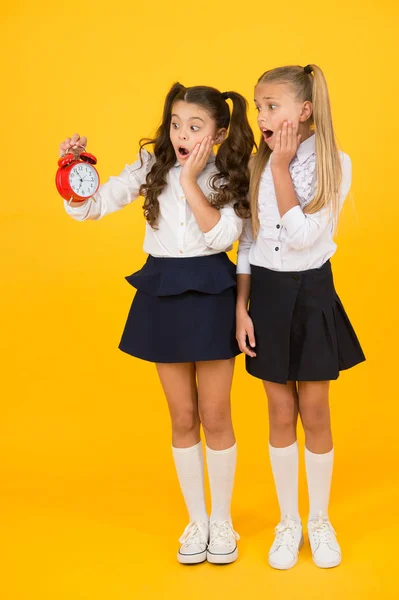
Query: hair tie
308,69
225,95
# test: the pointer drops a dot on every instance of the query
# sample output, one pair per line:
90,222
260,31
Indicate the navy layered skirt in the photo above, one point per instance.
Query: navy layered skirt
302,331
183,310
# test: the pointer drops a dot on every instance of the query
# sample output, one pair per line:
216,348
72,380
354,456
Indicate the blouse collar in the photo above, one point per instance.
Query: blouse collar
306,149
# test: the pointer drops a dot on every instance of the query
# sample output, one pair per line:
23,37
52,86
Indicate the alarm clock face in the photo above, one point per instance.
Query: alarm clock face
83,180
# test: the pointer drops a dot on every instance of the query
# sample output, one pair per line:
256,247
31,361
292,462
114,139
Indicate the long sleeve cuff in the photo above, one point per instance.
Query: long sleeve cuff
293,220
226,231
80,212
243,264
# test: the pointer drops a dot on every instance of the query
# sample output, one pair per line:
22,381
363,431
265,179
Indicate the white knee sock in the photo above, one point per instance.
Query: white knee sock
189,464
284,463
221,471
319,469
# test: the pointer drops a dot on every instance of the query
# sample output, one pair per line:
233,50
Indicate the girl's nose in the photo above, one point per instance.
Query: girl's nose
182,135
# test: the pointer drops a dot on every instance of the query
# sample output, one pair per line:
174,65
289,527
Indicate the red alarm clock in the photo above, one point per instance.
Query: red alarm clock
77,179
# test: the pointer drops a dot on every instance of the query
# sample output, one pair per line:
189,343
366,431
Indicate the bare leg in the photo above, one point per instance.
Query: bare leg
283,412
179,385
214,385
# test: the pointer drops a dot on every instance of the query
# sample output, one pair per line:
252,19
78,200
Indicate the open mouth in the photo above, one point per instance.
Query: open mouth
183,152
267,134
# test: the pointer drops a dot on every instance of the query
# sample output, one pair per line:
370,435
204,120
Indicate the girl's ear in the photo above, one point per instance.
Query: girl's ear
220,136
306,113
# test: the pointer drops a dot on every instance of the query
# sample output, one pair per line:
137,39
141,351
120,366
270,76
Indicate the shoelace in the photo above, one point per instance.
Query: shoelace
222,533
321,529
285,532
193,534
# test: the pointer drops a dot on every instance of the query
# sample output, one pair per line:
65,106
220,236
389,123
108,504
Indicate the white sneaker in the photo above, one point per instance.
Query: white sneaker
194,542
326,552
222,548
289,539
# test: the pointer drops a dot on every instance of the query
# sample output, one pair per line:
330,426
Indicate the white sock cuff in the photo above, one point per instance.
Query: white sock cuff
226,451
186,450
319,458
287,451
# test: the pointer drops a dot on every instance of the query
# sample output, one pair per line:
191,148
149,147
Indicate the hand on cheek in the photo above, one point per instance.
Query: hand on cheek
286,144
197,160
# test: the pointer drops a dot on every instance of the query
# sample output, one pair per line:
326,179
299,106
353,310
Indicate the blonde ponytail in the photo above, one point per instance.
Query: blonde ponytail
328,163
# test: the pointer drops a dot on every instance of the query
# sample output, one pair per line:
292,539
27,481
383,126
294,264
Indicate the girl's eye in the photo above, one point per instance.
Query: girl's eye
195,127
272,106
175,125
257,108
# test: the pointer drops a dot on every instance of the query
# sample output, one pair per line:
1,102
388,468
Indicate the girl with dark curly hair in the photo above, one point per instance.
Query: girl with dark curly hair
183,315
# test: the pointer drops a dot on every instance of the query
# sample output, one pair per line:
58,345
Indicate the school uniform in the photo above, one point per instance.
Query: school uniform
184,307
302,331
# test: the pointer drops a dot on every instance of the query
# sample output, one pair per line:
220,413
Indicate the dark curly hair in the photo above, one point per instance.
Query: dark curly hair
231,182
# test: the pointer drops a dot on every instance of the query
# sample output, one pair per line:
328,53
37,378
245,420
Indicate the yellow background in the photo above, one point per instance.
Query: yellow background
89,502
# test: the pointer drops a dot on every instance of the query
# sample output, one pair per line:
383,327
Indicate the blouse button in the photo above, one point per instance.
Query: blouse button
181,251
277,248
277,226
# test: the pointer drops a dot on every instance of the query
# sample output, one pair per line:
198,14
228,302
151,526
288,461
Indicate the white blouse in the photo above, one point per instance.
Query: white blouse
296,241
178,234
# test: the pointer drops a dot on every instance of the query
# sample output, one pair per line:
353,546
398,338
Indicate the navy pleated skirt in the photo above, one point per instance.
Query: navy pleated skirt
302,331
183,310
